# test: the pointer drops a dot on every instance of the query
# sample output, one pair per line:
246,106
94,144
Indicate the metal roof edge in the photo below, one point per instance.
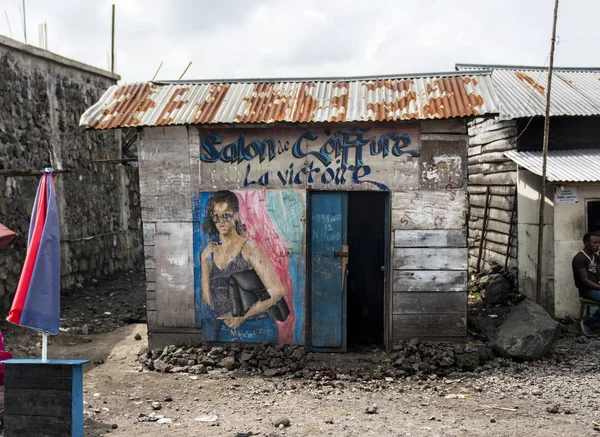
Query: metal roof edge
550,152
492,67
85,124
189,103
482,72
564,165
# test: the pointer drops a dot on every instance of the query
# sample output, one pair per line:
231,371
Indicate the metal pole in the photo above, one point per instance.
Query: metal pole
538,285
24,22
112,42
8,23
44,347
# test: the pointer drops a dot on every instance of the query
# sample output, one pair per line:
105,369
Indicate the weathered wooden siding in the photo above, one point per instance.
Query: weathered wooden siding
165,176
492,226
429,250
166,193
150,261
428,210
429,292
426,176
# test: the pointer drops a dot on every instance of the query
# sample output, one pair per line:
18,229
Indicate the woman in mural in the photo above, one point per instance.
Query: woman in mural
230,253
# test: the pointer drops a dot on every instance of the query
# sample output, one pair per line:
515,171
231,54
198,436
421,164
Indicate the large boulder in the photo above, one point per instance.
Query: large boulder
498,291
528,332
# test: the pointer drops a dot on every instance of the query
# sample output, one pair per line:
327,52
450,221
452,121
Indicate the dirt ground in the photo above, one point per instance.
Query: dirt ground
558,397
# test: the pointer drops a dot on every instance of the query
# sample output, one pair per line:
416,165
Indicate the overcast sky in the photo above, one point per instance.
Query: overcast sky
308,38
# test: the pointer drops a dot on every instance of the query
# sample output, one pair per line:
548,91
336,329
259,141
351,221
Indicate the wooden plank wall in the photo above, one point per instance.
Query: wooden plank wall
168,179
428,195
429,246
150,261
429,284
39,400
488,168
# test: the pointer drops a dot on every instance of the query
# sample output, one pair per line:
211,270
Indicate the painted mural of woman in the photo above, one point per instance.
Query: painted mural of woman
228,253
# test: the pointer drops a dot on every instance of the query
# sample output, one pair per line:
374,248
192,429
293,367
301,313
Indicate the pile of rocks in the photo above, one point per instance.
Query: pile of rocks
495,288
410,358
268,359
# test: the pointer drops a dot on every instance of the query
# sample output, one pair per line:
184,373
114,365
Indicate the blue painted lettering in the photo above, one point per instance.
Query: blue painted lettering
345,146
297,151
208,144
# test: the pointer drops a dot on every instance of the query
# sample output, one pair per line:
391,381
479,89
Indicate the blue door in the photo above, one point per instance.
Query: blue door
328,261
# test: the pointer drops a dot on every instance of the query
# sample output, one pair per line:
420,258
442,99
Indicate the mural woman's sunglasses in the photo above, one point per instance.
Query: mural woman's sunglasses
216,218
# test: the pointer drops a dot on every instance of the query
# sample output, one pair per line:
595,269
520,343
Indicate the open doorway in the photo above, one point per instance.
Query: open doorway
366,276
593,215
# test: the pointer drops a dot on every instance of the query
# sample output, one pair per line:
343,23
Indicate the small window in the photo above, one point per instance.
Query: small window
593,215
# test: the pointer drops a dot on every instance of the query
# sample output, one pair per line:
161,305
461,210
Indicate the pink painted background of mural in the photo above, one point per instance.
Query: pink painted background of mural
260,229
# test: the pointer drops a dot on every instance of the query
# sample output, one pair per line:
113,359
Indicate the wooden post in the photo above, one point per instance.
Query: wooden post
112,42
155,74
185,71
540,258
43,398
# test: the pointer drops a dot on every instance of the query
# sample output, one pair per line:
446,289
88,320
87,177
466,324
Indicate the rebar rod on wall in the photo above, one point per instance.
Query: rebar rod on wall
115,160
483,227
511,229
14,173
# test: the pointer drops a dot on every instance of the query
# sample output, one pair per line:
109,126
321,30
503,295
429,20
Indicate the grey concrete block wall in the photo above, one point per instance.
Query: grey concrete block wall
42,97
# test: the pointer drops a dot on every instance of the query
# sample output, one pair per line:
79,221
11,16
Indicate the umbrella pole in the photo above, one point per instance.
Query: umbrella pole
44,348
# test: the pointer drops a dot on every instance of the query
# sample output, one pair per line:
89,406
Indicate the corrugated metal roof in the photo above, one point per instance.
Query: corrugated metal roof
580,165
522,90
268,101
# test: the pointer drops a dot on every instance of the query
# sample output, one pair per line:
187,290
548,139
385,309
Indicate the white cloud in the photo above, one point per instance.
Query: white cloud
270,38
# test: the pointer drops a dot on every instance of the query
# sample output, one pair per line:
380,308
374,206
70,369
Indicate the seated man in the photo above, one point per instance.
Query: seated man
587,277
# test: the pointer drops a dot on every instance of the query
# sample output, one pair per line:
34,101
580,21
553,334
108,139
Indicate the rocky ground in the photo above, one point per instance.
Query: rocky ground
417,390
97,308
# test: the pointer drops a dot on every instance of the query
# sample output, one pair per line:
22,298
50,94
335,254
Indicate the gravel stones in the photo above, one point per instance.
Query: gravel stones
409,358
282,422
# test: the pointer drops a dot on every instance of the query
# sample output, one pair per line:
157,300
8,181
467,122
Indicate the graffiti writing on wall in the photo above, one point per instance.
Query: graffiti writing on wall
336,160
431,210
249,284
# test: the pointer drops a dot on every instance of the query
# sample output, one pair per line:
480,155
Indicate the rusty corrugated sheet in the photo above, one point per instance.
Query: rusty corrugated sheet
578,165
521,91
319,100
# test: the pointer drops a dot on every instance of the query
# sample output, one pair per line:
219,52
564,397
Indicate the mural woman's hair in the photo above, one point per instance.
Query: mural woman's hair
221,196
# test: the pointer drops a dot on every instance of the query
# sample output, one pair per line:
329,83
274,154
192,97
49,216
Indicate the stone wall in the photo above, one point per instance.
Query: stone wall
42,97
